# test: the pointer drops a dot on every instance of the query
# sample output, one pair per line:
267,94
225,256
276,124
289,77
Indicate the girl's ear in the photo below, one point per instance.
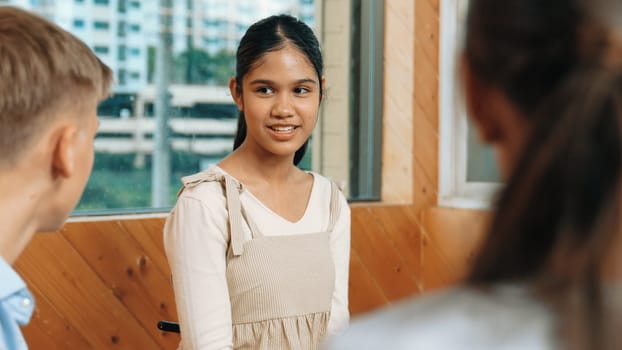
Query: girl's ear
323,85
236,93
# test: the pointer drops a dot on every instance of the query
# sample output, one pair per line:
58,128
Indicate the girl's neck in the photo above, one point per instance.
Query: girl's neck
249,167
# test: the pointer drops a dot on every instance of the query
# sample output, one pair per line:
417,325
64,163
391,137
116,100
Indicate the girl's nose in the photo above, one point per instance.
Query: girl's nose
283,106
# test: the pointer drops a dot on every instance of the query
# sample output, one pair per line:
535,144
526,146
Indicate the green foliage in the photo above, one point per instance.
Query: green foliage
151,58
196,66
116,183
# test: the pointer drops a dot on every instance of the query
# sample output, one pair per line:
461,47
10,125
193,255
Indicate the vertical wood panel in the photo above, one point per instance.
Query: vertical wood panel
397,122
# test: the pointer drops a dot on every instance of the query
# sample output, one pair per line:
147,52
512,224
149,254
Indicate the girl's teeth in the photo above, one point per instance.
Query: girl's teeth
283,129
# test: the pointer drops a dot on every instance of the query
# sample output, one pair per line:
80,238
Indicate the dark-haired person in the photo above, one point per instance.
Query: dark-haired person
259,249
50,85
543,82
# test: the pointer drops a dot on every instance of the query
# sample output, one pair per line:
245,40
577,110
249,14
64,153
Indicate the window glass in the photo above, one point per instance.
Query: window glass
201,118
481,162
102,25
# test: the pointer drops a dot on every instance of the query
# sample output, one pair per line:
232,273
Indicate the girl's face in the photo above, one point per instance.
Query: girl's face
280,100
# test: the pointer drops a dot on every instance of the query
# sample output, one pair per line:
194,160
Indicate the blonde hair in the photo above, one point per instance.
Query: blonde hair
42,68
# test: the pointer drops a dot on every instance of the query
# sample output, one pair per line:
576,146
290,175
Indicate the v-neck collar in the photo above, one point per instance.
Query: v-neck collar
310,199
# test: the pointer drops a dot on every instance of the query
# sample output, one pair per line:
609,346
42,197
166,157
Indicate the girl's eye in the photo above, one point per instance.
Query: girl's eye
265,90
301,90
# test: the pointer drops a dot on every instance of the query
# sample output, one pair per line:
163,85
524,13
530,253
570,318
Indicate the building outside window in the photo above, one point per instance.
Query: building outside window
101,25
78,23
101,50
201,119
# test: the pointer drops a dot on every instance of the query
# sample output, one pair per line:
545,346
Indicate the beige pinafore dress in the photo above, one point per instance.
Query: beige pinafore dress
280,287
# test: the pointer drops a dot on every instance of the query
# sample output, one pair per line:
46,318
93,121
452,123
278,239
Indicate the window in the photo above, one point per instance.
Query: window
128,174
122,76
78,23
121,29
101,50
122,6
366,132
101,25
121,53
468,172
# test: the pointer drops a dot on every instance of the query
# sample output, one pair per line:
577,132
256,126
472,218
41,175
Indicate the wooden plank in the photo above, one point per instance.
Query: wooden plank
379,256
427,19
52,266
426,89
155,229
456,233
364,292
148,233
401,229
437,273
426,192
128,272
150,239
397,103
47,329
426,147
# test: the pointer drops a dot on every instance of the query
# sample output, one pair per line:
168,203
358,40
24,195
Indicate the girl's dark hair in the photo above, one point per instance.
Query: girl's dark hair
272,34
558,214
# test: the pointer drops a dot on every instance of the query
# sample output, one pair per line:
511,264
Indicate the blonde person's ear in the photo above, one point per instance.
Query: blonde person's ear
63,156
236,93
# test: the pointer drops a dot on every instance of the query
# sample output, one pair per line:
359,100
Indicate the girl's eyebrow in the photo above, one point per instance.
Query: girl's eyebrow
270,82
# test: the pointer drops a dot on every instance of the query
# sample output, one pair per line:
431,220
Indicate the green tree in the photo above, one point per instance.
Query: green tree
191,67
195,66
151,54
222,64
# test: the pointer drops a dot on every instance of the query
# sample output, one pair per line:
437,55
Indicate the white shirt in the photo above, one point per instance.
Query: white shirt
505,317
196,239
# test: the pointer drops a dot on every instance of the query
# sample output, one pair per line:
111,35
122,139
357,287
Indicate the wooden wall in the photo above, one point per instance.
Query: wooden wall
99,285
105,284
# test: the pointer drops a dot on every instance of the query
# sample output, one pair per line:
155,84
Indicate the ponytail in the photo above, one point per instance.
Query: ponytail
559,208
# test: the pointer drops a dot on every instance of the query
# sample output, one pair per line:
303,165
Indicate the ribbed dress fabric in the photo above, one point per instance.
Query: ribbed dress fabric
280,287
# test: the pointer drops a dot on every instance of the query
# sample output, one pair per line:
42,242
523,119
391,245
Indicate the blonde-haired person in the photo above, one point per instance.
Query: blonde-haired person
50,86
543,83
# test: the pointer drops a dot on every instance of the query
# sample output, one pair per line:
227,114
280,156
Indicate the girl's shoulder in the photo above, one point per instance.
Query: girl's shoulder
325,181
207,182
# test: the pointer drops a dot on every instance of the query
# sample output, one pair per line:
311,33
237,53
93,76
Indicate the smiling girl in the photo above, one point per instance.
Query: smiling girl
258,248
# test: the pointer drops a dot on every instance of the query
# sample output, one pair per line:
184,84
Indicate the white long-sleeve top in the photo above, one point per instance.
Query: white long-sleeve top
196,239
